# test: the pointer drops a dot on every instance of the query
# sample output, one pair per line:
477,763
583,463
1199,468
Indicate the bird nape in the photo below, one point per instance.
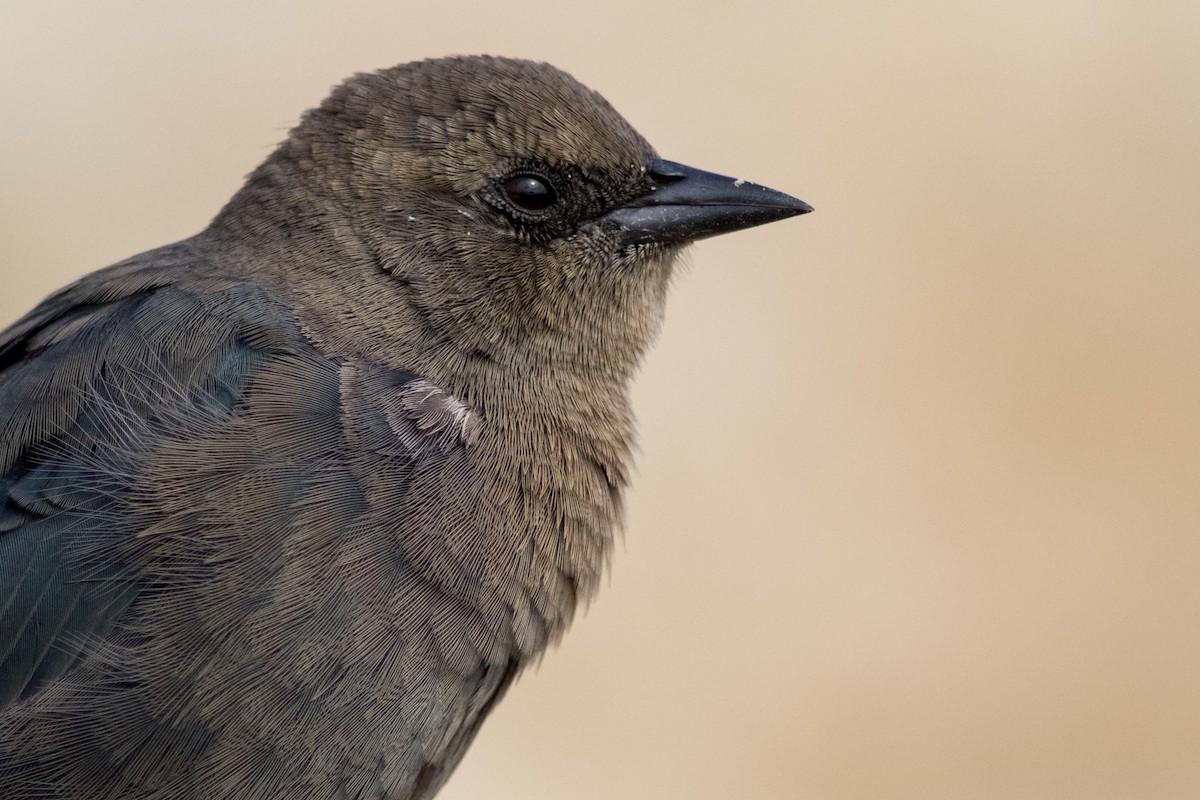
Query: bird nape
288,504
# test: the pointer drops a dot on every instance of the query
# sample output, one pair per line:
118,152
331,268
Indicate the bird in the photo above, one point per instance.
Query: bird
286,506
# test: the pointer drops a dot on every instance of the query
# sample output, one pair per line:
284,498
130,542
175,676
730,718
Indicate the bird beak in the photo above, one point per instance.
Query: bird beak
686,204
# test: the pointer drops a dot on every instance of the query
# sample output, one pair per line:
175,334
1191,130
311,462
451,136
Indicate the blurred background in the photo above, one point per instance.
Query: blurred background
918,505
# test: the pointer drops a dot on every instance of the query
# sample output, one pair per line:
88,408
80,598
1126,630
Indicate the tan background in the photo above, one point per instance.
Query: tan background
917,514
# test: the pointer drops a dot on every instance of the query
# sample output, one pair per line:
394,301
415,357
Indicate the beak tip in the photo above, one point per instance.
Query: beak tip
801,207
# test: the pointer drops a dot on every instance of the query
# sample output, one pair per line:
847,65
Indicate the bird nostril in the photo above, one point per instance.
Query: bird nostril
665,172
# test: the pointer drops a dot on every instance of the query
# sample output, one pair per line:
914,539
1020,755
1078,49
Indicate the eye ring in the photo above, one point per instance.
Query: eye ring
529,192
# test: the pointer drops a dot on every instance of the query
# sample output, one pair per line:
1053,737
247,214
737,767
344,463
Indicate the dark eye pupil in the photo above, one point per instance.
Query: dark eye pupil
529,192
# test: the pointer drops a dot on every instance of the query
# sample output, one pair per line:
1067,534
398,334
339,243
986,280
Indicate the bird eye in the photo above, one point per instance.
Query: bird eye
529,192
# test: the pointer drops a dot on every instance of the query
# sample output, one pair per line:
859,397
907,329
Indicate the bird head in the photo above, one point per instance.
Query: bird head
518,215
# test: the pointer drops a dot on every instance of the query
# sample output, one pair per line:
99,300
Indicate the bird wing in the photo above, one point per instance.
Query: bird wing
64,374
195,512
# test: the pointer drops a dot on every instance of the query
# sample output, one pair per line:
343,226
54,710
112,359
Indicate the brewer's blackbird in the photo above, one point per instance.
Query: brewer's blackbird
285,506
